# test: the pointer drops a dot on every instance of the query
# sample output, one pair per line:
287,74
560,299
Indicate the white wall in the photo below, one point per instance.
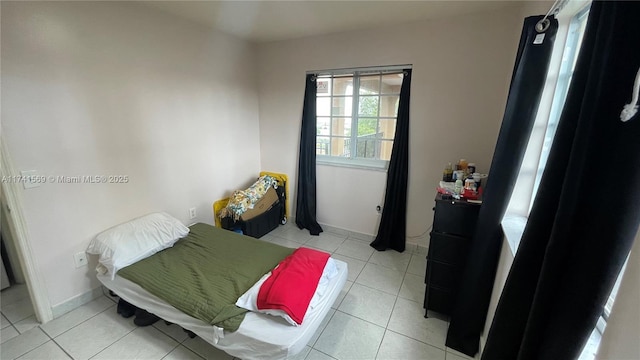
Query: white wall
461,72
102,88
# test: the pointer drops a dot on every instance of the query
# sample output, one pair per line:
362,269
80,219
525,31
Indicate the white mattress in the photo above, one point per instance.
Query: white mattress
259,336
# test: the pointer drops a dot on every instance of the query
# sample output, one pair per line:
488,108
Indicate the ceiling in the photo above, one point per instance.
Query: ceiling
272,20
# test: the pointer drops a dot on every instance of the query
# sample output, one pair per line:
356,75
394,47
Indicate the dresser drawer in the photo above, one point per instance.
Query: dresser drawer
439,300
446,248
444,276
457,218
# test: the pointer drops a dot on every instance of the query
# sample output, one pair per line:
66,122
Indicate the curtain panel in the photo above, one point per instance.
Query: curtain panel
393,224
306,198
527,82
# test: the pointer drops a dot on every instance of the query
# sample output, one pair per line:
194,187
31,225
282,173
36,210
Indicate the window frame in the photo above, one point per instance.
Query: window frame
356,74
559,75
565,74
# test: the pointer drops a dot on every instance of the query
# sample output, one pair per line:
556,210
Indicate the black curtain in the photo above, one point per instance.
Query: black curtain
470,309
587,209
393,224
306,200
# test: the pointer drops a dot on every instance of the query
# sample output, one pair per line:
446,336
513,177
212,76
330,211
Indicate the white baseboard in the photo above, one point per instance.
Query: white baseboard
76,302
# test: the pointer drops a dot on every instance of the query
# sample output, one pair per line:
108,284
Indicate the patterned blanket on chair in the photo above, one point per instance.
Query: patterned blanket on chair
242,200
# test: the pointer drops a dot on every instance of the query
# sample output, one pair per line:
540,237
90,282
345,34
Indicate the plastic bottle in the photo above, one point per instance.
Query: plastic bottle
457,188
447,174
471,167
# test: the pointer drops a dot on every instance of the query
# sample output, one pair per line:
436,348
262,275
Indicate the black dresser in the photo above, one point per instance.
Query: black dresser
454,222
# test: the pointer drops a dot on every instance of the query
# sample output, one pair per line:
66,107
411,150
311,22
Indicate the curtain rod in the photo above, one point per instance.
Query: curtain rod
555,9
361,69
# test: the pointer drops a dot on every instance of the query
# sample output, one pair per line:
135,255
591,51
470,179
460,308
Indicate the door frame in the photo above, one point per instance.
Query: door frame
11,197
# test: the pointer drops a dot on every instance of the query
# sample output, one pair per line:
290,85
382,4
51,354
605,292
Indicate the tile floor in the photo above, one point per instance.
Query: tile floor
378,315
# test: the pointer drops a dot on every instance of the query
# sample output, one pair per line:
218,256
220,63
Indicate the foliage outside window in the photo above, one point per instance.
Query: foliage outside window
356,117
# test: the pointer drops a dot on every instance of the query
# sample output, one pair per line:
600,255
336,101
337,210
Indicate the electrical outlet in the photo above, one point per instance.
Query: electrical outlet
80,259
192,213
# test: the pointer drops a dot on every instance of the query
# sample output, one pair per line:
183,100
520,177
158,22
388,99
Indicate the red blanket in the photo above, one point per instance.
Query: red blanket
293,282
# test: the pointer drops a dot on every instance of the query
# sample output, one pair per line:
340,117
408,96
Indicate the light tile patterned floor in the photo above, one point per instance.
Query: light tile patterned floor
378,315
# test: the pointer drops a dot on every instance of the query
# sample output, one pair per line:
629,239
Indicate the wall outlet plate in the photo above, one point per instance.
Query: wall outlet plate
28,179
192,213
80,259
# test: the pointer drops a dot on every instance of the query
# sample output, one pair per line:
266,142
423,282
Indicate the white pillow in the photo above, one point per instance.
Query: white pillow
127,243
249,299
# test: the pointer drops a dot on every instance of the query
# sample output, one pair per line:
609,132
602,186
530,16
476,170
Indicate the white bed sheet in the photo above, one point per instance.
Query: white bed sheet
259,336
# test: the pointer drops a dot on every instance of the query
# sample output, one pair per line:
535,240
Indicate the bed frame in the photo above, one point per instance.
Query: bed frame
259,336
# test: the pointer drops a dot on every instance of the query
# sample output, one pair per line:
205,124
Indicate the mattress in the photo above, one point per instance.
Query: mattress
260,336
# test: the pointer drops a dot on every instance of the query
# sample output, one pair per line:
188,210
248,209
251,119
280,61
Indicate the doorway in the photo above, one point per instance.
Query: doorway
32,296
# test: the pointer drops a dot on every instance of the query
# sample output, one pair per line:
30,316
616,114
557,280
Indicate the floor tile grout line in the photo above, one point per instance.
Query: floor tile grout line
16,330
325,328
381,341
359,318
418,340
391,315
115,341
80,323
23,319
372,288
55,342
322,352
30,350
172,350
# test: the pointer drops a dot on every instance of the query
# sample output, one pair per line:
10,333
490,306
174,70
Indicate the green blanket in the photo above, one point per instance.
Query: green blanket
205,273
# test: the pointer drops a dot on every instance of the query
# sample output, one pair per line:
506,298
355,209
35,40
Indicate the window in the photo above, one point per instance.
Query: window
569,58
356,117
561,69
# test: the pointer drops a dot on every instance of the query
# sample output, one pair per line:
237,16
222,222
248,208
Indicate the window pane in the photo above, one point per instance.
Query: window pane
389,105
342,106
387,128
322,145
322,126
323,86
370,85
368,106
391,84
367,127
368,147
341,126
385,149
343,86
323,106
361,127
340,147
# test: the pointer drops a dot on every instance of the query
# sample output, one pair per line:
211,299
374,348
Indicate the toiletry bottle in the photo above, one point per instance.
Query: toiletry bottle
457,189
447,174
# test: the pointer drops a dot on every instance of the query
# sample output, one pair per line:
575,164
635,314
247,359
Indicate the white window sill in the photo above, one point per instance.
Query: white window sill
363,164
513,228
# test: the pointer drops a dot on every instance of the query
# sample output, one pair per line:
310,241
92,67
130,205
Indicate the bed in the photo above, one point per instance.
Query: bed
257,335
